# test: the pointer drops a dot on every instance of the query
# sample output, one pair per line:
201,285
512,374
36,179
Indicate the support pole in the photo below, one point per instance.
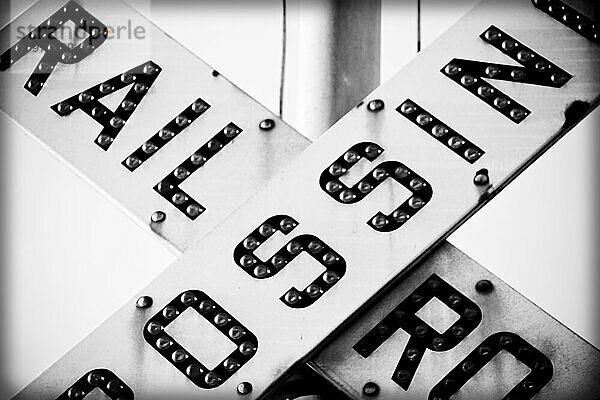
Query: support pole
331,61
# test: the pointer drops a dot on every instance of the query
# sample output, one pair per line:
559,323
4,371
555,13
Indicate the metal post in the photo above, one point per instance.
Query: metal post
331,60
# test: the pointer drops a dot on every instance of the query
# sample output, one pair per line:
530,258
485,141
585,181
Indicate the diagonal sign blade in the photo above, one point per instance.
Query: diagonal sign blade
154,127
451,329
345,229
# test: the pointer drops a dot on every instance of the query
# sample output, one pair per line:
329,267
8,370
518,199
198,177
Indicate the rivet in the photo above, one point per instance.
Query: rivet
370,389
484,286
144,302
266,124
158,217
244,388
481,178
376,105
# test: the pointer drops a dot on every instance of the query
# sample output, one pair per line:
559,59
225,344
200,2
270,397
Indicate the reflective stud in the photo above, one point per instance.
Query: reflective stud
166,134
364,187
408,108
266,230
247,348
212,379
558,78
98,112
509,45
85,97
472,154
452,69
424,119
117,122
292,297
439,131
188,298
347,196
492,34
150,69
266,124
164,187
417,184
330,258
179,198
492,71
128,105
170,312
518,114
278,261
163,343
315,247
501,102
231,131
133,162
379,221
144,302
485,91
206,306
294,247
231,364
198,159
380,174
182,120
333,186
372,151
330,277
456,142
401,172
158,217
337,170
94,378
64,108
106,88
179,356
214,145
250,243
139,88
75,393
193,210
351,157
542,66
517,74
400,216
199,106
287,224
261,271
154,328
525,55
438,343
149,148
222,319
181,173
236,332
416,203
194,371
313,290
247,261
468,80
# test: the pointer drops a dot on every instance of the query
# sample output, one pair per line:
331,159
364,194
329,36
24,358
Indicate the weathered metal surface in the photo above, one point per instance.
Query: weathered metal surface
368,249
572,364
236,169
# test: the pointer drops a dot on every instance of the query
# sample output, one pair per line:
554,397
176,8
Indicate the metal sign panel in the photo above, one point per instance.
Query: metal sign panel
328,233
484,340
129,108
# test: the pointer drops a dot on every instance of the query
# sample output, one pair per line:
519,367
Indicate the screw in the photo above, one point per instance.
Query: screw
144,302
484,286
244,388
481,178
158,217
376,105
266,124
215,73
371,389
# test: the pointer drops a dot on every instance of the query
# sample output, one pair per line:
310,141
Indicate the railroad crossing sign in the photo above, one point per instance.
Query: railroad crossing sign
334,204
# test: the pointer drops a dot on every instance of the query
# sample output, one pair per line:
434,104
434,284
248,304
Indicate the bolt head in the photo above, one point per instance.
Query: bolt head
158,217
376,105
266,124
144,302
484,286
371,389
481,178
244,388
